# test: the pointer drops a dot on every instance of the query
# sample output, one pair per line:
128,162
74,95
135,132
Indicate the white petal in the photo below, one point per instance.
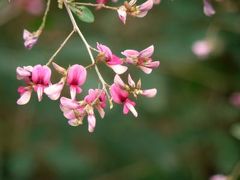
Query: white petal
132,109
130,81
118,69
25,97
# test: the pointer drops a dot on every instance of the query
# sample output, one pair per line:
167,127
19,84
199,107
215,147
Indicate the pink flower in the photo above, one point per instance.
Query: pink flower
37,78
76,77
202,48
207,8
75,111
121,96
218,177
142,59
132,9
120,93
98,97
144,8
41,79
72,110
111,59
30,39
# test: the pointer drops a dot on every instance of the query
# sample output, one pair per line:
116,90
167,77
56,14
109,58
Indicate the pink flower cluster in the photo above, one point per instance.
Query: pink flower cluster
38,79
130,8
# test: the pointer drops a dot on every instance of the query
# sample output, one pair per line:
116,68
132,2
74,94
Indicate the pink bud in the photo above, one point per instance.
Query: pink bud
122,14
30,39
207,8
149,92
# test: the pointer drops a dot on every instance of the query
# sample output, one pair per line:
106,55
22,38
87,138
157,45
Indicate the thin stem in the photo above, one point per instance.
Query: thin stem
92,48
45,16
60,47
76,28
97,5
90,65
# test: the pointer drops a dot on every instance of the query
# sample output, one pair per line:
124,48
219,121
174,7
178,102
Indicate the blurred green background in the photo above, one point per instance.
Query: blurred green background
190,130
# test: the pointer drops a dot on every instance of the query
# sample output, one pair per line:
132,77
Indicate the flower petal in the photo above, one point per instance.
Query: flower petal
118,81
118,69
91,123
148,52
145,69
149,92
25,97
130,81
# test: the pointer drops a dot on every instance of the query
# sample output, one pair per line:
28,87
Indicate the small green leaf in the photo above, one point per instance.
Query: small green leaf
83,13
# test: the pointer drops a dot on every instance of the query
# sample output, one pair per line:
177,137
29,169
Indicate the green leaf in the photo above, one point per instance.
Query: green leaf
83,13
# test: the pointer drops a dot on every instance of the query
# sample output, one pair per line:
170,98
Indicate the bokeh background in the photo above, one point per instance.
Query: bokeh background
190,130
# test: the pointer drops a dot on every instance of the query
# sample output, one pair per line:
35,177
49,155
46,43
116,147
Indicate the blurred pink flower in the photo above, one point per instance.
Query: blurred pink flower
235,99
207,8
202,48
30,39
218,177
142,59
132,9
76,77
111,59
34,7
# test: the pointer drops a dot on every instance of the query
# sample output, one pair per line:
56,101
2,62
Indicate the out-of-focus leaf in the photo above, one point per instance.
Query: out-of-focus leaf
83,13
235,130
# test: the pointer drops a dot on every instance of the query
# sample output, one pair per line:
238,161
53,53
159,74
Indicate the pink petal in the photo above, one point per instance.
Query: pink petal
100,111
23,72
130,106
26,34
69,103
24,98
73,92
77,75
130,81
118,69
148,52
142,14
130,53
54,91
69,114
149,92
41,74
145,69
91,123
146,6
122,14
40,92
118,95
114,60
104,49
153,64
118,81
207,8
